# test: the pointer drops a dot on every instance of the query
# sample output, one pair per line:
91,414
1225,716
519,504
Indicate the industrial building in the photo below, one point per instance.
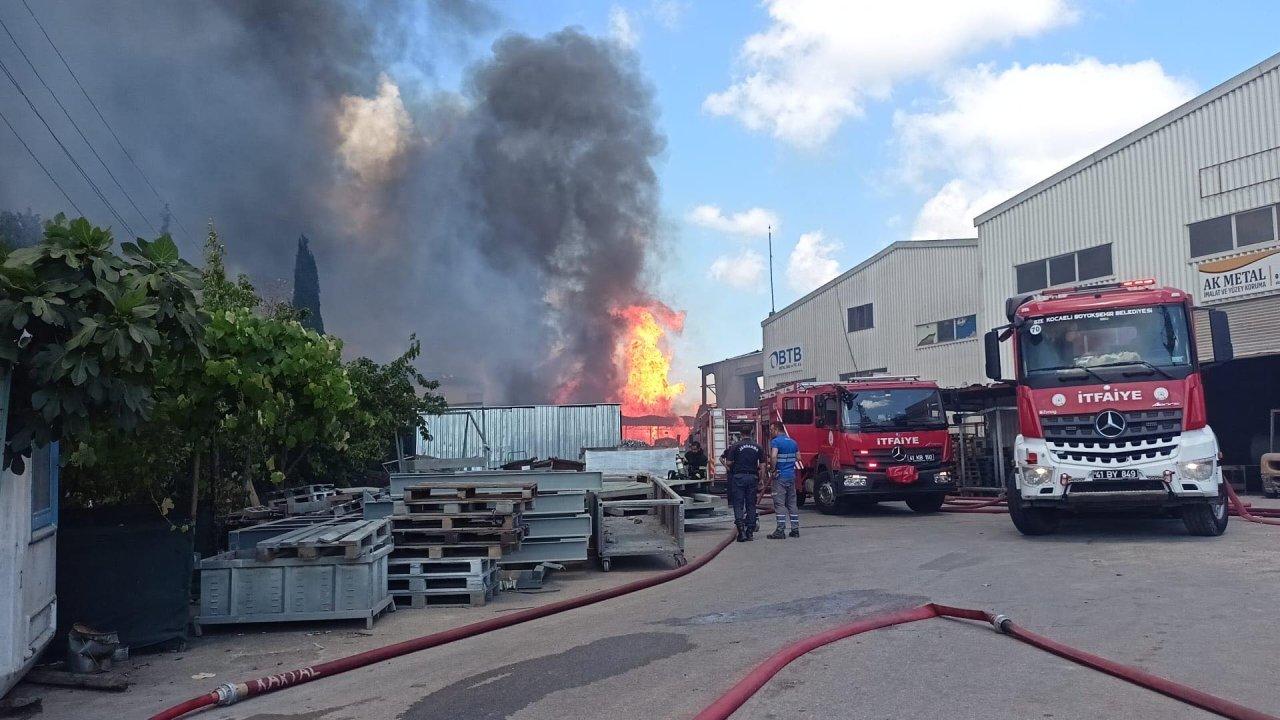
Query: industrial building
1189,199
733,382
910,309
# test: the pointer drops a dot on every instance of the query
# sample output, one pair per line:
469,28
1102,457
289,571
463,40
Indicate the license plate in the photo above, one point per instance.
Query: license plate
1115,475
920,457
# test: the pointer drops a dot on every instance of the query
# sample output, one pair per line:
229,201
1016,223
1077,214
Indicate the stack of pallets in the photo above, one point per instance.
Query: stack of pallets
559,524
448,537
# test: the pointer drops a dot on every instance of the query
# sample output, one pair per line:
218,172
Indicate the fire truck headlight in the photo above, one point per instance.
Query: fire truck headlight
1198,470
1036,474
855,481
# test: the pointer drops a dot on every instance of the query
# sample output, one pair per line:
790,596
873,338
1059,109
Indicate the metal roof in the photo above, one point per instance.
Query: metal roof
892,247
735,357
1165,120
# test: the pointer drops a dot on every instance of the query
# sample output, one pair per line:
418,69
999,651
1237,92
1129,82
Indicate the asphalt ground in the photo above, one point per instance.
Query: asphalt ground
1141,591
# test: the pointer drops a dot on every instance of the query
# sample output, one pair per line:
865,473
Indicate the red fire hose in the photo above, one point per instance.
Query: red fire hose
726,704
1244,511
229,693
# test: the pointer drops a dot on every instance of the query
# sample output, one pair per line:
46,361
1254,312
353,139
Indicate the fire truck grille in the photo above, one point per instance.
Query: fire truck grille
1148,435
1114,486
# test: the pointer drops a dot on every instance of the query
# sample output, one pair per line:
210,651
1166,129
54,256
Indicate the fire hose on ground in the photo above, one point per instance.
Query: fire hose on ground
737,695
726,704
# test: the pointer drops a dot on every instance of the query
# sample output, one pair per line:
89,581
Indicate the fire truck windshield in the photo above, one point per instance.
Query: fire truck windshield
893,409
1106,345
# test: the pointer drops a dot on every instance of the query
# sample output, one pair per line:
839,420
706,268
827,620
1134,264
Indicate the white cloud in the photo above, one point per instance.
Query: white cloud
811,263
622,28
743,272
997,133
752,222
668,13
819,60
373,132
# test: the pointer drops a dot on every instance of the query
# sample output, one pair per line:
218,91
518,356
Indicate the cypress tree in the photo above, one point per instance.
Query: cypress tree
306,287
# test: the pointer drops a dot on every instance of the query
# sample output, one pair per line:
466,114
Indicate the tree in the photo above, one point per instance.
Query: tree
306,287
218,291
89,332
390,399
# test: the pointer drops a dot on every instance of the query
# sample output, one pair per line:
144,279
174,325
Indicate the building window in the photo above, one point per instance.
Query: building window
797,411
1094,262
43,469
1032,276
1088,264
961,328
1231,232
861,318
846,377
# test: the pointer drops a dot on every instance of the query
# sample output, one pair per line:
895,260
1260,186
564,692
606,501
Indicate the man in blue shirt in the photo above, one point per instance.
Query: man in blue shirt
743,460
782,461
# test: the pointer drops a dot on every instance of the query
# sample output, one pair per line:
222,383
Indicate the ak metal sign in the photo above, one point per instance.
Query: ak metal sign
786,358
1256,273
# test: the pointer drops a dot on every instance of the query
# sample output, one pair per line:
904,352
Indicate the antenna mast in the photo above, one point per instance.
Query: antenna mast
772,302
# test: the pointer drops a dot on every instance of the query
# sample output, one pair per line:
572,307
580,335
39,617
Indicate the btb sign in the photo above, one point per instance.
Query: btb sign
786,358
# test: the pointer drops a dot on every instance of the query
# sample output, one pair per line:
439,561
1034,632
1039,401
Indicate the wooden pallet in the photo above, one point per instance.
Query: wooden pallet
441,582
492,551
474,507
336,538
470,491
454,522
428,536
417,601
427,566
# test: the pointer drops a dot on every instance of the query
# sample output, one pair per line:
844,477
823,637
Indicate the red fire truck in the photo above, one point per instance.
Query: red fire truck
866,441
1111,406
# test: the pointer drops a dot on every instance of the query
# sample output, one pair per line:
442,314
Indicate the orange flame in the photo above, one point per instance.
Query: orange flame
645,362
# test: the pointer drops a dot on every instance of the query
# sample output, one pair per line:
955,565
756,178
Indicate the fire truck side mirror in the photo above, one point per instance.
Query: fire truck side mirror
991,344
1220,334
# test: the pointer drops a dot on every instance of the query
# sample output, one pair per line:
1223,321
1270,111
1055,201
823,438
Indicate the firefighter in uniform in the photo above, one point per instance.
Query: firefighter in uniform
742,460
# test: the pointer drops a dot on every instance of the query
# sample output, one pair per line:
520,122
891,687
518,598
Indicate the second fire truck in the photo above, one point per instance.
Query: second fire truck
866,441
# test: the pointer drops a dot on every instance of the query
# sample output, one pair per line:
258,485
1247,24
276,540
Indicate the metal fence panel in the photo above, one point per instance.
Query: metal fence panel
504,434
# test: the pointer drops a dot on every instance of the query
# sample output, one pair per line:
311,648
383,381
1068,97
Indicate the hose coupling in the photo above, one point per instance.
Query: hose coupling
1001,623
228,694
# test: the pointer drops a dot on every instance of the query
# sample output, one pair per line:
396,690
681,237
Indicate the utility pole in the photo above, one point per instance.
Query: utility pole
772,304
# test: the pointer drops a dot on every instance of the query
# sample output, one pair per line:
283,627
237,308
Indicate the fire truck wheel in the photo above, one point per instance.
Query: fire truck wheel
926,503
824,494
1207,519
1029,520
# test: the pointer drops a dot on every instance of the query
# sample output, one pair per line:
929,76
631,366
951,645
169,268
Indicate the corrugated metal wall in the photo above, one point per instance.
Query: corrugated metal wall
913,284
503,434
1140,199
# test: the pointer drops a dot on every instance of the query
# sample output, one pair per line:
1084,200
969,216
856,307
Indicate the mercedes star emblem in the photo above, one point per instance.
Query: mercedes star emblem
1109,424
897,453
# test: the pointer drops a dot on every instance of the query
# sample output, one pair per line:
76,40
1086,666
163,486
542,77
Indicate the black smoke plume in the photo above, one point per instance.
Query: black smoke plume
501,221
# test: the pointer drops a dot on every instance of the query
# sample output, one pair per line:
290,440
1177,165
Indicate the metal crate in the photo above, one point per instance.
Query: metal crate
244,590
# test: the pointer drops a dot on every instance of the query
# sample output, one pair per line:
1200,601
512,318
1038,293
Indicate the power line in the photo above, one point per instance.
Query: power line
42,167
75,125
101,117
92,185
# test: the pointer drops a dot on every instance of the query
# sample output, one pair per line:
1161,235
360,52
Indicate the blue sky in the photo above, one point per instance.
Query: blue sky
853,124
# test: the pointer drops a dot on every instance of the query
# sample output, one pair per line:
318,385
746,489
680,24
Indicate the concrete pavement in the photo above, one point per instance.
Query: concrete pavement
1198,610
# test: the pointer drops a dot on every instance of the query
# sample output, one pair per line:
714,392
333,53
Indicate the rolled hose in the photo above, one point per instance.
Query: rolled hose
229,693
726,704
